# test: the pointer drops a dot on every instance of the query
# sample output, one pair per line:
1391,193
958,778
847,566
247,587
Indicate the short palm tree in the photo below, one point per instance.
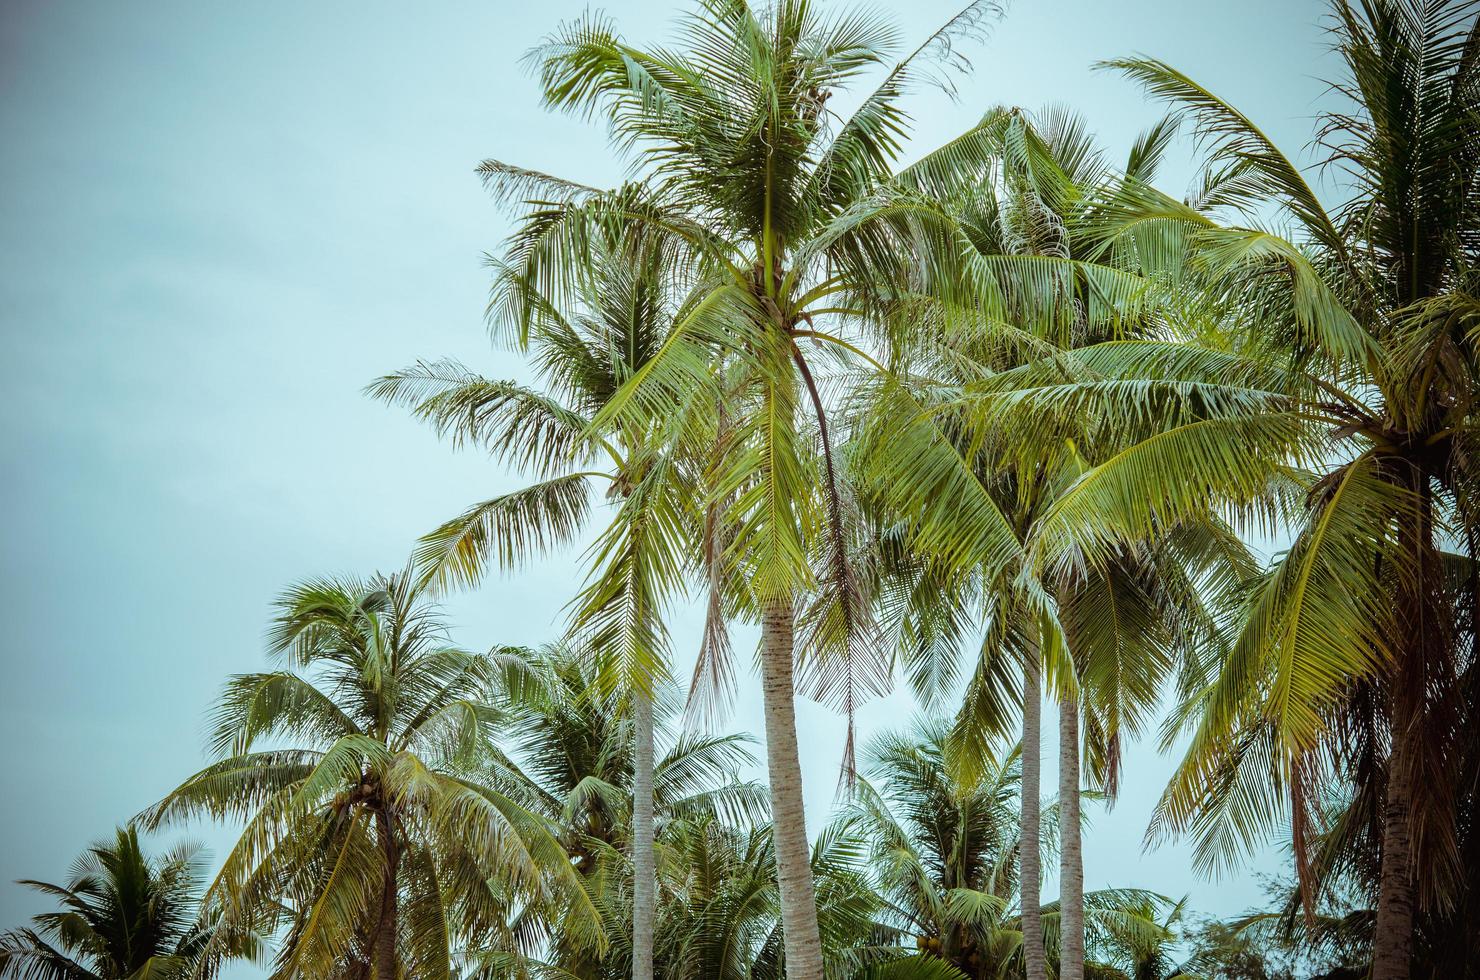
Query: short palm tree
723,912
572,750
719,914
943,850
573,760
123,916
1134,934
367,839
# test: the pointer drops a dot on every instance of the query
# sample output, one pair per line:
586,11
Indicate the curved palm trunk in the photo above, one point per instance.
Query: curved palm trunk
644,881
385,930
1071,858
788,820
1028,853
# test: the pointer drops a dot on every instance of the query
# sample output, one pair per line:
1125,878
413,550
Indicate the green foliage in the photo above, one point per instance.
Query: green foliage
124,916
1010,400
367,832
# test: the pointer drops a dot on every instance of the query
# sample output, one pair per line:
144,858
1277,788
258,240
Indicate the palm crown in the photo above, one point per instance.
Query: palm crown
123,916
365,836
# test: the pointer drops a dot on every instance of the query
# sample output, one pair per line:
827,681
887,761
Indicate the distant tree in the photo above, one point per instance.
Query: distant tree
571,757
1223,951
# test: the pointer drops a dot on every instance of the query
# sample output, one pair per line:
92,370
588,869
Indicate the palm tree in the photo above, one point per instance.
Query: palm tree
978,428
366,837
944,851
1134,934
573,757
723,915
585,345
574,762
123,916
799,232
719,913
1361,321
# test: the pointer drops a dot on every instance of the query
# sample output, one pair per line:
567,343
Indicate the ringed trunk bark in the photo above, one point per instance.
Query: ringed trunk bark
1392,937
803,941
385,930
644,881
1028,849
1071,858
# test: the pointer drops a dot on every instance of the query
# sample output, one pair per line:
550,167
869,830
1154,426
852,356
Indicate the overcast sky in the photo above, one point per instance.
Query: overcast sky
219,221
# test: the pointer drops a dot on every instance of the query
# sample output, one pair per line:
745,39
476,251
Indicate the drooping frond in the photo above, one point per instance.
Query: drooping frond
502,532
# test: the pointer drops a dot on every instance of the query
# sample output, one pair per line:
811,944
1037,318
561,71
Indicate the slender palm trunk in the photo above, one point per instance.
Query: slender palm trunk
385,930
1392,937
644,881
1071,857
788,820
1028,853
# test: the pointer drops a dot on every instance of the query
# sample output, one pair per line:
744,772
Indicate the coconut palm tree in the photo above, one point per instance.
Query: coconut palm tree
573,756
944,853
979,404
719,913
802,235
573,761
1134,934
585,344
123,916
724,914
366,837
1362,319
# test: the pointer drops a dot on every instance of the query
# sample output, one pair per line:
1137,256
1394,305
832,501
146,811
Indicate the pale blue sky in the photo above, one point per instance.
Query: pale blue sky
219,221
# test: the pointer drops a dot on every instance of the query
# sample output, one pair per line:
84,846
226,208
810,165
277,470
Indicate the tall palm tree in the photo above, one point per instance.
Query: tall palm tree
628,289
1362,320
366,836
123,916
802,235
974,429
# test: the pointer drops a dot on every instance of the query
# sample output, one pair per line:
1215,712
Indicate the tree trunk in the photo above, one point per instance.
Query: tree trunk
1071,857
1418,625
1028,849
385,930
803,941
1392,938
644,881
